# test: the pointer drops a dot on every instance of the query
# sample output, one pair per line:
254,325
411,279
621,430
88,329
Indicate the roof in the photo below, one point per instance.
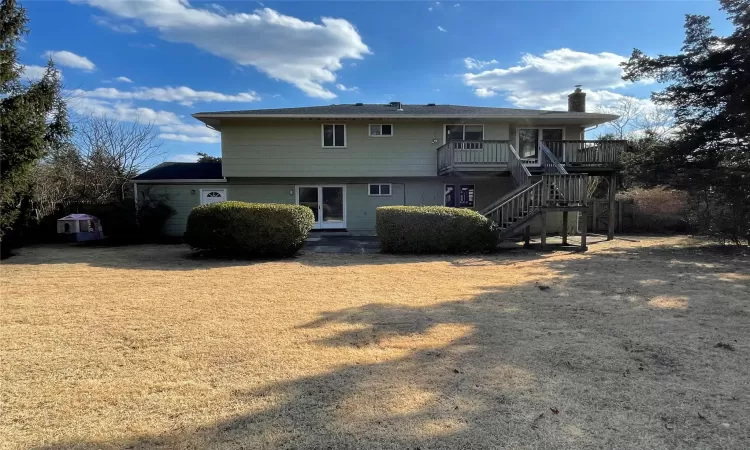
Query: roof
406,111
78,217
182,171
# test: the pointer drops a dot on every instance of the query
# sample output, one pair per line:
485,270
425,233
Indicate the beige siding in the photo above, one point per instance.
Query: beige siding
294,149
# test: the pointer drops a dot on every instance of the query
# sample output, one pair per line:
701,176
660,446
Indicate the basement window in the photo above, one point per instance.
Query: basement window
379,190
461,196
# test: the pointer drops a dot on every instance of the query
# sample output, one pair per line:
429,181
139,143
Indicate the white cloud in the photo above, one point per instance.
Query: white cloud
170,125
114,26
186,138
343,88
429,8
123,80
33,73
482,92
545,81
441,29
475,64
305,54
181,94
184,158
457,5
69,59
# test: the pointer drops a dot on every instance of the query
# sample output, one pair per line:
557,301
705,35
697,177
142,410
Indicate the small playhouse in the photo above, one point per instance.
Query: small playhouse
79,227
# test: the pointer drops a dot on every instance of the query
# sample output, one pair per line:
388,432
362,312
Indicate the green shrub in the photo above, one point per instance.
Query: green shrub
434,229
249,229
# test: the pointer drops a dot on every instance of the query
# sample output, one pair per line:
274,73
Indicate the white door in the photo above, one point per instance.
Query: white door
213,196
328,204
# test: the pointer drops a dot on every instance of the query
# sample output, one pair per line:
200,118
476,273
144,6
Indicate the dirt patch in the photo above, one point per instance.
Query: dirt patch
145,347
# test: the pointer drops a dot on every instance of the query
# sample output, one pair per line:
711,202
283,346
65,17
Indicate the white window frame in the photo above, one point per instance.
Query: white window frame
458,197
539,138
463,135
379,194
224,190
369,130
322,135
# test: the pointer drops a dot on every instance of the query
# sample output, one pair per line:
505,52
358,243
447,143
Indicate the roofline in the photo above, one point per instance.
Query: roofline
166,181
553,114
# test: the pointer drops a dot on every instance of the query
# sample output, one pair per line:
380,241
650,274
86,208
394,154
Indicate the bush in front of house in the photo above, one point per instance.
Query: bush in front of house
249,229
434,229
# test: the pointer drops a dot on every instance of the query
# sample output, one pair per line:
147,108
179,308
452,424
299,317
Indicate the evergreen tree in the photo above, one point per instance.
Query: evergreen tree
33,119
709,91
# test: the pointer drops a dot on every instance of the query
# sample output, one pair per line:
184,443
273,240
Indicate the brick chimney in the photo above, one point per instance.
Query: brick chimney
577,100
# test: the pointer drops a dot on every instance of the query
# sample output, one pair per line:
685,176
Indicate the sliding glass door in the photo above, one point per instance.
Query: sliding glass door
328,204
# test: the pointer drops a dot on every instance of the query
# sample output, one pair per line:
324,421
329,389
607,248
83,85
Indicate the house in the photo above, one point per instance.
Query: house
344,161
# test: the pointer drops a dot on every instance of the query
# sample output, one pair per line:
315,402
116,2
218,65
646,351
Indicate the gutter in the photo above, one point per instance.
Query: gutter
175,181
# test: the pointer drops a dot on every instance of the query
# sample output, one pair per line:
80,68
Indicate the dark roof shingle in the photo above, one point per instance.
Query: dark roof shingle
182,171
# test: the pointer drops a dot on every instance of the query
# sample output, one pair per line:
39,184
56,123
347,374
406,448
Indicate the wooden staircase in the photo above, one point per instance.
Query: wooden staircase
554,190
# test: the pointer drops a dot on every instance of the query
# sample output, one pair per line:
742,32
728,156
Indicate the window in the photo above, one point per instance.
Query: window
379,190
464,133
461,198
334,135
381,130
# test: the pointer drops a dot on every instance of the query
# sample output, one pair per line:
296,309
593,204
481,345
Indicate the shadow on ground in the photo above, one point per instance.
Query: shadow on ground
619,350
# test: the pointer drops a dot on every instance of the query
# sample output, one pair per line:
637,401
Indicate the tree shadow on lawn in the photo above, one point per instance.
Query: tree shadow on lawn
614,351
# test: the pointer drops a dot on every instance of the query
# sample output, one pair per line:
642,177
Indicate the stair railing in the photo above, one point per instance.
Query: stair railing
520,174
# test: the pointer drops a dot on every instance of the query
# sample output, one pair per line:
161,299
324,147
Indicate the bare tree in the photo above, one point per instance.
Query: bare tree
112,153
629,110
659,121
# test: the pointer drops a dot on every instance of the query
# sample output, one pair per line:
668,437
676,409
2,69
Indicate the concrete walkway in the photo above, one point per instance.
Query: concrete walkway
342,244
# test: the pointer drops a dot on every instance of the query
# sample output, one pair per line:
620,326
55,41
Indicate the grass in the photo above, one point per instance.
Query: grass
630,345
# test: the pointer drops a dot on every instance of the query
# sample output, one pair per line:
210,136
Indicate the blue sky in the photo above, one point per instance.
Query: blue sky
162,60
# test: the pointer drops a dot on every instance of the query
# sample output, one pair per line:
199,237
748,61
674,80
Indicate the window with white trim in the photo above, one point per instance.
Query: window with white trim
381,130
379,190
333,135
461,196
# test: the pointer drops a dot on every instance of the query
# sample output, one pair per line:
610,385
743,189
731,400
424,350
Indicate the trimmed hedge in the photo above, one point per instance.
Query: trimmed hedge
249,229
434,229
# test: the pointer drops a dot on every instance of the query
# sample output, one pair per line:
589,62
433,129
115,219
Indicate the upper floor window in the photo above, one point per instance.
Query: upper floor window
334,135
381,130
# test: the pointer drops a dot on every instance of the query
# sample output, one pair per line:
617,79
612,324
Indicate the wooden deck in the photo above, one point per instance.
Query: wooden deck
494,156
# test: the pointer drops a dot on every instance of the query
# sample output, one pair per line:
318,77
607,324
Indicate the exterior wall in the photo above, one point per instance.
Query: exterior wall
294,148
360,208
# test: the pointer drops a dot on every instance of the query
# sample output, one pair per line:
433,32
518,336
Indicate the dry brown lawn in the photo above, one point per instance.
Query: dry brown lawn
145,347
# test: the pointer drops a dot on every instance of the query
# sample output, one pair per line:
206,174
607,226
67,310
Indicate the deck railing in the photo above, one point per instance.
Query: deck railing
549,162
587,153
456,156
472,153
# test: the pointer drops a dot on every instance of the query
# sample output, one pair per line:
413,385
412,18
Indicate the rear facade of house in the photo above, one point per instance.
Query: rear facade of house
344,161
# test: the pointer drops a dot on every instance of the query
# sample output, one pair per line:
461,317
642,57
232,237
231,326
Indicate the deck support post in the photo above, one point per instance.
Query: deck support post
527,236
544,229
565,228
612,217
584,218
